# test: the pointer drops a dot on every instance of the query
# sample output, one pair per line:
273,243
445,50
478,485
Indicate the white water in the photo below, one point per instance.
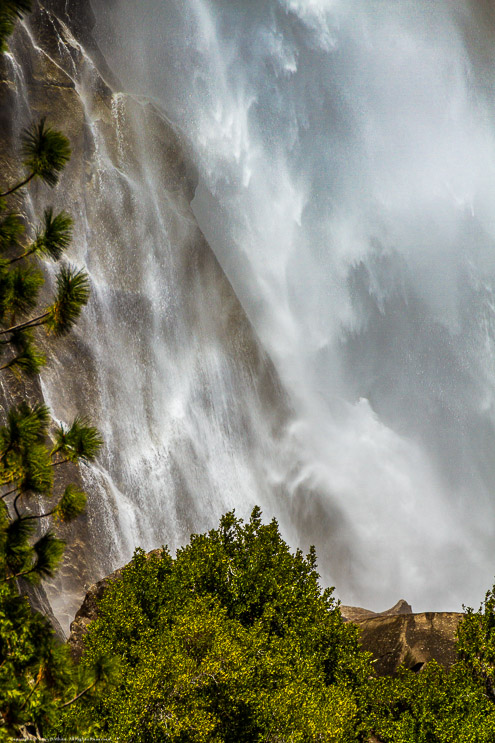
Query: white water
163,359
345,152
344,155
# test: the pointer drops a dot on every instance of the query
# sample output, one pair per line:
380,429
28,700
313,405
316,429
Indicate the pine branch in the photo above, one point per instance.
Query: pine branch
26,426
45,151
10,12
18,186
11,229
9,493
78,696
39,516
34,322
61,461
49,549
28,359
32,690
52,464
18,575
71,296
53,239
15,504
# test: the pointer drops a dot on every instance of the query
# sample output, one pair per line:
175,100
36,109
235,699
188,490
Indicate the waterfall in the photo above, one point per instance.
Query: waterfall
345,180
164,360
285,208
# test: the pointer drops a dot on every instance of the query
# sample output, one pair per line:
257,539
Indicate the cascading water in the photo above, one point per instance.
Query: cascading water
163,361
346,157
342,155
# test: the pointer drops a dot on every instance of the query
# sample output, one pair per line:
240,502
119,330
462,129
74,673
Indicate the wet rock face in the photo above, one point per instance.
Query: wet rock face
398,637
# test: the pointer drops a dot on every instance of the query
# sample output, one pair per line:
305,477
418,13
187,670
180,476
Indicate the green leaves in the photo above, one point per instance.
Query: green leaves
234,640
16,552
36,471
434,705
45,152
10,12
226,642
54,236
79,442
71,295
27,466
476,644
25,283
71,505
49,550
26,425
28,359
11,230
36,675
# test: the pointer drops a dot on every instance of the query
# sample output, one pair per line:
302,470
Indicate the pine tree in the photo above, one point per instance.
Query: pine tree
37,677
45,152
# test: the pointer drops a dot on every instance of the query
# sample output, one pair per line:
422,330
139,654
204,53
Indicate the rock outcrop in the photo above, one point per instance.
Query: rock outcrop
357,614
397,637
410,640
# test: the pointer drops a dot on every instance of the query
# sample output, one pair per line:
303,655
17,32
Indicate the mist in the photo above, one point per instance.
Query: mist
344,160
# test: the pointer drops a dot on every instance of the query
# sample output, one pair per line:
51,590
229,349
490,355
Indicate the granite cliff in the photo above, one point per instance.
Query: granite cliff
165,361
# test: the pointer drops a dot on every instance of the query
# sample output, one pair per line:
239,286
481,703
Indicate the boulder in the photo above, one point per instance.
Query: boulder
397,636
410,640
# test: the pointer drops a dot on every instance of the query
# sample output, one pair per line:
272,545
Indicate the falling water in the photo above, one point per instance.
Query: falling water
339,158
345,153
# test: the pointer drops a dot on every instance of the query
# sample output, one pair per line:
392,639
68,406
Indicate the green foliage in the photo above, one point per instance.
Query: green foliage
28,359
21,288
80,442
27,458
54,236
26,425
433,706
71,505
17,554
27,462
439,705
37,677
476,645
33,667
10,12
71,296
233,640
11,229
34,471
45,152
48,549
